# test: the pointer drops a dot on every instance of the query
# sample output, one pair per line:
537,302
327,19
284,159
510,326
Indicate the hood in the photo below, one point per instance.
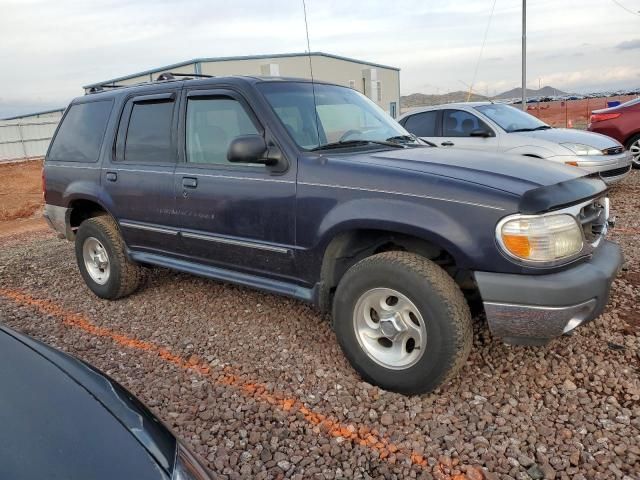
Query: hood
514,174
59,415
569,135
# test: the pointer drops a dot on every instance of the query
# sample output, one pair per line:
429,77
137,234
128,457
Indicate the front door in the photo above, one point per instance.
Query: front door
234,216
457,128
139,177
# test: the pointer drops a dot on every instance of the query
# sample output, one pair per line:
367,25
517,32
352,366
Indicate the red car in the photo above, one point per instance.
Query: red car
622,123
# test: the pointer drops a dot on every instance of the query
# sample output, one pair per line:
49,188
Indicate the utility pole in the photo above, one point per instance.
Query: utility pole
524,55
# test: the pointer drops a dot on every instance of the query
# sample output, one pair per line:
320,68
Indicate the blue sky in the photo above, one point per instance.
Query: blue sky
50,48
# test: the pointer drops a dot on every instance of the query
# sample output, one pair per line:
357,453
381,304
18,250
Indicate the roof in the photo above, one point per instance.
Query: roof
33,114
167,68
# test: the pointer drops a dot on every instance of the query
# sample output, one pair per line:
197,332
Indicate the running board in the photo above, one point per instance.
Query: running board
231,276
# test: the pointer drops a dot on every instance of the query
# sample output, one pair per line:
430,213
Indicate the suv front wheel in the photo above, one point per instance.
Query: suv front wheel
402,322
102,259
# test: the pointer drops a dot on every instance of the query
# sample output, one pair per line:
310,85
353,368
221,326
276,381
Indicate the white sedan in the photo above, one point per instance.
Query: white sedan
501,128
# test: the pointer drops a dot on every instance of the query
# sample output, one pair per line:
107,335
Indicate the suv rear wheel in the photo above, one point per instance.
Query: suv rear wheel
102,259
402,322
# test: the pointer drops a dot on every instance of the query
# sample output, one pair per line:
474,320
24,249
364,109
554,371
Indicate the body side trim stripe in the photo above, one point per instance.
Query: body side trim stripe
149,228
390,192
229,241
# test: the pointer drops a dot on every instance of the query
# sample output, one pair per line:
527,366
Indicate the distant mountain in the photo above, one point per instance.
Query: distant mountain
421,99
531,92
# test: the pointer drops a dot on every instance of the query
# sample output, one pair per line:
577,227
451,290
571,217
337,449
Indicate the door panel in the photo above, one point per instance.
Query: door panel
233,216
139,179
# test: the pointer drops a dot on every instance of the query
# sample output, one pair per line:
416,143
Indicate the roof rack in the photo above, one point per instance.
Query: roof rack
163,77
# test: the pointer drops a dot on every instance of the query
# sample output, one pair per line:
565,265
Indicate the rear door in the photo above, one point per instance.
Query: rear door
457,126
139,175
425,125
235,216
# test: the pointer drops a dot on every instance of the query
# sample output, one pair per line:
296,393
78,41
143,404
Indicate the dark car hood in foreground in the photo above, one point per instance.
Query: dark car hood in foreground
511,173
60,418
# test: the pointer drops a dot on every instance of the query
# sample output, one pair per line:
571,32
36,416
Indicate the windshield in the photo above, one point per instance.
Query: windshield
512,119
343,115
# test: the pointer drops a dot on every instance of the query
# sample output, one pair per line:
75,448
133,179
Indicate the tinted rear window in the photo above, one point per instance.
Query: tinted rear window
80,136
149,133
422,124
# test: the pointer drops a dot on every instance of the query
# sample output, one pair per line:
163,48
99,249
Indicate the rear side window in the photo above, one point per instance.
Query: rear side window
149,133
422,124
80,135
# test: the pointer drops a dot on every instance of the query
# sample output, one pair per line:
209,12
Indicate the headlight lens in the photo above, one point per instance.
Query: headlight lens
580,149
546,238
187,467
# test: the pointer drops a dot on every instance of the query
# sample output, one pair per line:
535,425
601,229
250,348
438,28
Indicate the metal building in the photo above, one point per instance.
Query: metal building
381,83
27,136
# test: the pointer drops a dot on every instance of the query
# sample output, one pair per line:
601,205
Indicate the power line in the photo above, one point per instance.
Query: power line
625,8
484,40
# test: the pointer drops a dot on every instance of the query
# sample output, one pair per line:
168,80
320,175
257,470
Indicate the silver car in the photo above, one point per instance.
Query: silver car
502,128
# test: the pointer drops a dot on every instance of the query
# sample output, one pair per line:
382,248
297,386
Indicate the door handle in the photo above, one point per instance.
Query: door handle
112,176
447,144
189,182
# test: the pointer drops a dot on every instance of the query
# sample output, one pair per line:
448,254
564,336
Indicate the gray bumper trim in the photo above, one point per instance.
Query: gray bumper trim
57,217
546,306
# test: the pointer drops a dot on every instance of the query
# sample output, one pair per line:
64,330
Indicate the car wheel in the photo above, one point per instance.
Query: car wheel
402,322
633,145
102,259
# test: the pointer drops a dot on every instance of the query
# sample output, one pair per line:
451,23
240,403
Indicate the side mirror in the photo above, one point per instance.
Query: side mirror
480,132
249,149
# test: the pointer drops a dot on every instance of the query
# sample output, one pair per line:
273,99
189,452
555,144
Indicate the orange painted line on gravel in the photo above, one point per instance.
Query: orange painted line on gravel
358,434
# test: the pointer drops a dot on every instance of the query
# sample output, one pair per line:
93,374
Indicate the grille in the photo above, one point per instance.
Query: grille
615,172
593,218
613,150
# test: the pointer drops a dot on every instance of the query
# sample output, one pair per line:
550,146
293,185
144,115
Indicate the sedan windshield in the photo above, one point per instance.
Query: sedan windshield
512,119
338,117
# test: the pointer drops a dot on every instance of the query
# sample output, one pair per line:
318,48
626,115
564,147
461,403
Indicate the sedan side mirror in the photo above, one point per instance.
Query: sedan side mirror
480,132
249,149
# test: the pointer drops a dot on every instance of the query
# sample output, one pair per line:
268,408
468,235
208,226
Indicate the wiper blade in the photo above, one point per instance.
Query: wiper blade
408,138
355,143
541,127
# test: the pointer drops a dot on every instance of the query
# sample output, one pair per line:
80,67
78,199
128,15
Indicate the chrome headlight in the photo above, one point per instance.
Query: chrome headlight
187,467
540,239
580,149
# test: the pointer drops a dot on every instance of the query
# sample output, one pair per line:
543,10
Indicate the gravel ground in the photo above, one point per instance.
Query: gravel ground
257,386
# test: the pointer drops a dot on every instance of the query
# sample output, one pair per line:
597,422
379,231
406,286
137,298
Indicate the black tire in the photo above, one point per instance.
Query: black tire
449,332
630,142
124,276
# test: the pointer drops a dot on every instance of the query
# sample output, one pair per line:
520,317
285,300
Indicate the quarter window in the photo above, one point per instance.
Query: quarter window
81,132
149,133
422,124
212,124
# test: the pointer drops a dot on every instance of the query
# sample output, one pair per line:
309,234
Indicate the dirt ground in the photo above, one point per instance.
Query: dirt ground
572,113
257,386
20,190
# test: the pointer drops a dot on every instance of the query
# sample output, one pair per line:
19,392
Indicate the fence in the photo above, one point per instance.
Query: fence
26,138
571,113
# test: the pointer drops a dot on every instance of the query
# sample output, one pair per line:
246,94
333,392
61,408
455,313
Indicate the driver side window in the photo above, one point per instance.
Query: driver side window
459,123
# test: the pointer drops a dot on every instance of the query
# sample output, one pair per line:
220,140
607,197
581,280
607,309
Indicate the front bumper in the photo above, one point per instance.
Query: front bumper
612,168
531,309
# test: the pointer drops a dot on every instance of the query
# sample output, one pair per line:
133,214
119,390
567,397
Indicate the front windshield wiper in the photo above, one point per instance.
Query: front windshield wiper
541,127
355,143
406,138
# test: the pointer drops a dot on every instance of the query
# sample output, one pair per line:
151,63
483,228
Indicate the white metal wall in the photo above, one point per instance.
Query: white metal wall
26,138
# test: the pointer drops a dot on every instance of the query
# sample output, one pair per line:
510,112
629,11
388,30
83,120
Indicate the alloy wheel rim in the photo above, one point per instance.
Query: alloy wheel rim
96,260
390,329
635,152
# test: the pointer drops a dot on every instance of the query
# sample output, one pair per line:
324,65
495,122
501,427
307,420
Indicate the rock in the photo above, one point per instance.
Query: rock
386,419
569,385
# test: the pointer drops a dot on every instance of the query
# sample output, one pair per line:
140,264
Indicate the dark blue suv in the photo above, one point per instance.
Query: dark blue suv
311,191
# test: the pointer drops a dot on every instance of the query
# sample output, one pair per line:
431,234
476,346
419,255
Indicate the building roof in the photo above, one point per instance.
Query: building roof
33,114
227,59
